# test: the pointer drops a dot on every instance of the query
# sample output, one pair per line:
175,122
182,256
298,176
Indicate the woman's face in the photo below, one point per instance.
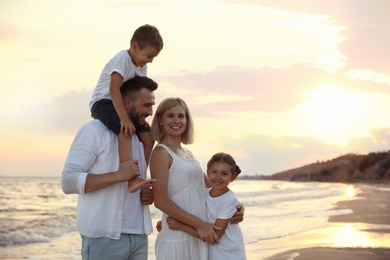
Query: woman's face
174,121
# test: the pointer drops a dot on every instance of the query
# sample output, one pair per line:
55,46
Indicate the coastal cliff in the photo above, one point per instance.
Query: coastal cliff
373,167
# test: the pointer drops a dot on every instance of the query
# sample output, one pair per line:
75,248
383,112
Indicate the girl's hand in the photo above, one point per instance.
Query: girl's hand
174,224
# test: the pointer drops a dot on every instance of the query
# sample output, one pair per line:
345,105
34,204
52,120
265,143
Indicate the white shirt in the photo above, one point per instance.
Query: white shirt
231,245
120,63
113,210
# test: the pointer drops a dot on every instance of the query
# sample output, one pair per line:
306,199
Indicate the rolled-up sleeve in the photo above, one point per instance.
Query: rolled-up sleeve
81,156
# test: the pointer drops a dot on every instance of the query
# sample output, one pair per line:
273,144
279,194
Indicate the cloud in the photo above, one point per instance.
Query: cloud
265,155
132,4
260,89
264,93
367,35
60,115
10,36
8,32
369,75
378,141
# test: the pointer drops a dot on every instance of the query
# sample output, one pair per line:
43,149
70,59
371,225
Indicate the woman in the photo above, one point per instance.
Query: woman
179,189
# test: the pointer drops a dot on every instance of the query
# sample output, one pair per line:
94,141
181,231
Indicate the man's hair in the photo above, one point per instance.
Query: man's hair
158,132
132,87
147,35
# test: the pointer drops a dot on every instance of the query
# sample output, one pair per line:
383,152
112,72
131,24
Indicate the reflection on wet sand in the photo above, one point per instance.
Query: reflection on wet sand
362,234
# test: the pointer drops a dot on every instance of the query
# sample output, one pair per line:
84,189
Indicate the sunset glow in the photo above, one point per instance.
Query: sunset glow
353,235
351,191
278,84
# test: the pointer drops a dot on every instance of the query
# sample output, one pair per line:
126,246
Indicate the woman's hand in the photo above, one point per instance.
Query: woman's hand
239,215
206,232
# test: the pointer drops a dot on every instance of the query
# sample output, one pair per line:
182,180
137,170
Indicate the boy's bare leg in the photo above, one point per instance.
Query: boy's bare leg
148,143
125,148
126,154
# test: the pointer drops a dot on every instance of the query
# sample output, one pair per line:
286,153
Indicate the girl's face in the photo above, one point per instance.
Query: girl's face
220,175
174,121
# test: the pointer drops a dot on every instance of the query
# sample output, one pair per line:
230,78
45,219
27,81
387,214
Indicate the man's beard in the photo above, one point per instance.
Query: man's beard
135,118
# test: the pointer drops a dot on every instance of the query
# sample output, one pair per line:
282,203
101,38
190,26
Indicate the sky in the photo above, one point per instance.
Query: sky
277,84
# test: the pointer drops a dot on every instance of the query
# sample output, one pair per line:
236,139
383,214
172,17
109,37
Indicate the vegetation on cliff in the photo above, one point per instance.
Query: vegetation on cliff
373,167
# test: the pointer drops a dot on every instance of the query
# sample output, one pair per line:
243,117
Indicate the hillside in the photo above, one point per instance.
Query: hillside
373,168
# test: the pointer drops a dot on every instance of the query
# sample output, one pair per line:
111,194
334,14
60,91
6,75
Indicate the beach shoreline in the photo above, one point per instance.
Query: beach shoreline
44,226
363,234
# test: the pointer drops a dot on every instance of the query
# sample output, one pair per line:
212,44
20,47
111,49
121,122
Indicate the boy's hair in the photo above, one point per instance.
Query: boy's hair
225,158
157,131
147,35
132,87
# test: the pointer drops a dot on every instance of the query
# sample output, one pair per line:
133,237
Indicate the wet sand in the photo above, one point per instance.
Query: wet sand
364,234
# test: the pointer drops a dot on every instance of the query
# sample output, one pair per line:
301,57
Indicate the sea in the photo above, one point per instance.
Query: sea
38,221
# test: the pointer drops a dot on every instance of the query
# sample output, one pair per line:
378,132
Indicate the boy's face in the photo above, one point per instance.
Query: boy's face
143,56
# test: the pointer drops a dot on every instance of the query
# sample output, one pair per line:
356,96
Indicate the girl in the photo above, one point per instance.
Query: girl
221,205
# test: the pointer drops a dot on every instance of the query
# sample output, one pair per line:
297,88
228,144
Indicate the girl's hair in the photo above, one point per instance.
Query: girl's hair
158,132
225,158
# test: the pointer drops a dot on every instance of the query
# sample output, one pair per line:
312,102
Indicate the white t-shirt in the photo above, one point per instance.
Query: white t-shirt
113,210
120,63
231,244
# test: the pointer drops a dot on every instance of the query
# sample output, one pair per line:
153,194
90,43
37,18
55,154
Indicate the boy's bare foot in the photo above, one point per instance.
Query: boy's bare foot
138,183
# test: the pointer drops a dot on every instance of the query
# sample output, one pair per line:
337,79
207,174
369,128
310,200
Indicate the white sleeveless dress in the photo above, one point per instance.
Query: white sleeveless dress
186,188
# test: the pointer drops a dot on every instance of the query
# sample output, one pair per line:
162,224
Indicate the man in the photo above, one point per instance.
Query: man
113,222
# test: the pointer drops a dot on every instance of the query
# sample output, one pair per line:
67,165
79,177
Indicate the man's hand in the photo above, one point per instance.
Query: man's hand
146,196
239,215
127,171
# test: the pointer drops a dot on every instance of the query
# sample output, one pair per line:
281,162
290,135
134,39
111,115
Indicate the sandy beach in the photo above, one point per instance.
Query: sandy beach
364,234
277,213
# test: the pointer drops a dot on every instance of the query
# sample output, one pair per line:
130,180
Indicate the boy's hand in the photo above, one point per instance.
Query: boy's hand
139,183
127,127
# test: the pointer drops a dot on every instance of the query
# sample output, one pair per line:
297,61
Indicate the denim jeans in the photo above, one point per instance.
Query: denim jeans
129,246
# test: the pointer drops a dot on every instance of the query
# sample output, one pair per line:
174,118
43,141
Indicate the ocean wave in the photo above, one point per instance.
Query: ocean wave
32,230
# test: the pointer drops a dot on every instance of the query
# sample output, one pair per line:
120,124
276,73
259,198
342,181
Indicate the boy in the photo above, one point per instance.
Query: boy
106,103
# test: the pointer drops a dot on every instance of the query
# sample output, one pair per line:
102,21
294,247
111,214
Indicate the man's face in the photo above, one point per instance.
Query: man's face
142,107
